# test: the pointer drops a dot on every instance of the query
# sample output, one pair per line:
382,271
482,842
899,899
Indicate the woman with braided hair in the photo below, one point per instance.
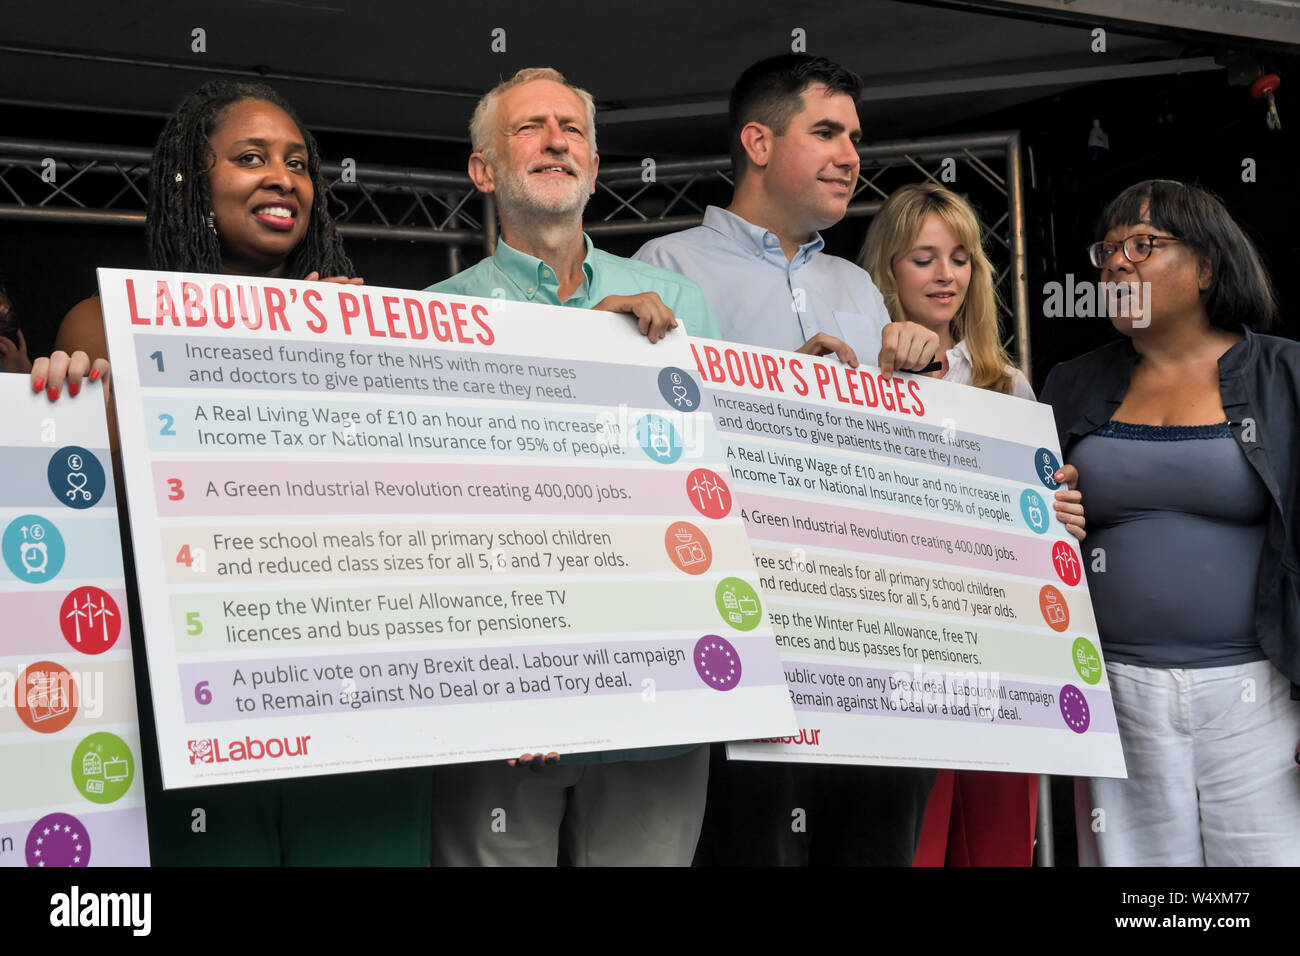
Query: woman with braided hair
235,188
232,190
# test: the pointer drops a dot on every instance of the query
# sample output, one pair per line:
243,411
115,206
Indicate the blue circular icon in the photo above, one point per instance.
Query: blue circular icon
33,549
658,439
1034,510
1045,466
679,389
76,477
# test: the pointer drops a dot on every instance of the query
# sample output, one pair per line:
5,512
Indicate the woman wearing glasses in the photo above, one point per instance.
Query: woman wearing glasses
1186,435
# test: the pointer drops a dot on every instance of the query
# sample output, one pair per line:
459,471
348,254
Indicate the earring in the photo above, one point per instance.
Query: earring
180,178
211,224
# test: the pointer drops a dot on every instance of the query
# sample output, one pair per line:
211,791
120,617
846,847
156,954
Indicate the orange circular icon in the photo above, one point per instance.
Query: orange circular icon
688,548
46,697
1055,611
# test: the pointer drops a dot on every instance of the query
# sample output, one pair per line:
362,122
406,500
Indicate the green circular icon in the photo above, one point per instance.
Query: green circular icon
103,767
738,604
1086,660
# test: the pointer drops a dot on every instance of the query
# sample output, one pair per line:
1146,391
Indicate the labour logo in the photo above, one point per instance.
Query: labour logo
200,751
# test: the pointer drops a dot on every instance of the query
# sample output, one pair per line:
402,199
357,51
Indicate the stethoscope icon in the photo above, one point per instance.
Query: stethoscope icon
78,489
74,464
679,391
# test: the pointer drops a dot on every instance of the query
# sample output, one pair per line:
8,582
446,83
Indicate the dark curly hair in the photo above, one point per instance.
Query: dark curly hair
1240,291
177,232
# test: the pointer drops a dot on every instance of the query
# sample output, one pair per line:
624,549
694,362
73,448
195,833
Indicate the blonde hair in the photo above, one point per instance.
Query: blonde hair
893,231
480,124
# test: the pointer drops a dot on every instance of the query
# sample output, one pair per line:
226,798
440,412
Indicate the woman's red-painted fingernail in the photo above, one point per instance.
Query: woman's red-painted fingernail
52,392
38,385
94,374
74,389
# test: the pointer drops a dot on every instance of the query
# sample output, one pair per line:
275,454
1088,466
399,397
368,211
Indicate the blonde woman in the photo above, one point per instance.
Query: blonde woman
923,252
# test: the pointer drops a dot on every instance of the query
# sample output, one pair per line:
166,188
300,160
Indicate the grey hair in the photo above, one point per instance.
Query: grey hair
480,124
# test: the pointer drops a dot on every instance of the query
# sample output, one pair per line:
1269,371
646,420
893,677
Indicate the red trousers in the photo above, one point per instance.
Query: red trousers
977,818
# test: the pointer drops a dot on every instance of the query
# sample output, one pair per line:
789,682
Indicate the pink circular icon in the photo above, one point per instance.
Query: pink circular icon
708,493
1074,708
58,839
90,620
1067,564
717,662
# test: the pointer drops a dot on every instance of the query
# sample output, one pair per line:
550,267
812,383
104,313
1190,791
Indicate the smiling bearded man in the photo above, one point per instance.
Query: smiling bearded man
534,142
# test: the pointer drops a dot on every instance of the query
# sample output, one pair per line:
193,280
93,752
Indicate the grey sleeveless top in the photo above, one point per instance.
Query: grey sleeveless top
1179,517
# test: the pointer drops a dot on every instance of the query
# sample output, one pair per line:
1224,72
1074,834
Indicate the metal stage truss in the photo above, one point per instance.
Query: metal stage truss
86,184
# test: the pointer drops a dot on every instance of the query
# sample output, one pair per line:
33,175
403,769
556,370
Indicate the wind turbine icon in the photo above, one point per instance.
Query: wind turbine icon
90,611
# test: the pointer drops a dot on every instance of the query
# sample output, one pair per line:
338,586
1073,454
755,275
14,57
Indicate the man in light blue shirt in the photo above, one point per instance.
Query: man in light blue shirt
764,298
760,260
794,155
534,146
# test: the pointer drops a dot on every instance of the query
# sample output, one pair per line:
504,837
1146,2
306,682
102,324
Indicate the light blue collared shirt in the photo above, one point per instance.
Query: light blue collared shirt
761,298
519,277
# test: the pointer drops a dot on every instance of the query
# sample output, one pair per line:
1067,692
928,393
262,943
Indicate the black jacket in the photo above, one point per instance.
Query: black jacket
1259,382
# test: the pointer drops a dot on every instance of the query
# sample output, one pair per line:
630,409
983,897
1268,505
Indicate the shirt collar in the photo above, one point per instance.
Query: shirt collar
531,275
1238,358
961,352
760,242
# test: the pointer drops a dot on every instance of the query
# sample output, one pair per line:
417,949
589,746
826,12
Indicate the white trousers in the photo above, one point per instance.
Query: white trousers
1212,777
630,813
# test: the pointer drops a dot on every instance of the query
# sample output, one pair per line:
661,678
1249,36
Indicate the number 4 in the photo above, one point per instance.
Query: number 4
194,559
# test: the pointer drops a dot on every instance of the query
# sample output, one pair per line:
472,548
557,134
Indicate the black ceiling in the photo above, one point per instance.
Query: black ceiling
413,70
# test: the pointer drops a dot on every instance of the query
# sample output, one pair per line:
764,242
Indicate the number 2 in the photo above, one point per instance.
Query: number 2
168,422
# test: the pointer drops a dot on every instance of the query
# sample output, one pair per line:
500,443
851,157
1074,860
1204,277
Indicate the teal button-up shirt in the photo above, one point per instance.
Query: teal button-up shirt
524,278
520,277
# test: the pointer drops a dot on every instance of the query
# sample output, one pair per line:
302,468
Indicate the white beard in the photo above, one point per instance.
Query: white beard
525,197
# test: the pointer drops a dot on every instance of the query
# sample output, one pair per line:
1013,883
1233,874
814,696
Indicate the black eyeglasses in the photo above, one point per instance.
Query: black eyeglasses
1136,248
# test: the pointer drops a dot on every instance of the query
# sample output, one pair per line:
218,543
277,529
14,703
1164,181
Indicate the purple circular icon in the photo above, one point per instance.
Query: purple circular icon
717,662
1074,708
58,839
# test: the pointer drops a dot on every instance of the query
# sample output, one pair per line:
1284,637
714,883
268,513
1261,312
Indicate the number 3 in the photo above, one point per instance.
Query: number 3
177,493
